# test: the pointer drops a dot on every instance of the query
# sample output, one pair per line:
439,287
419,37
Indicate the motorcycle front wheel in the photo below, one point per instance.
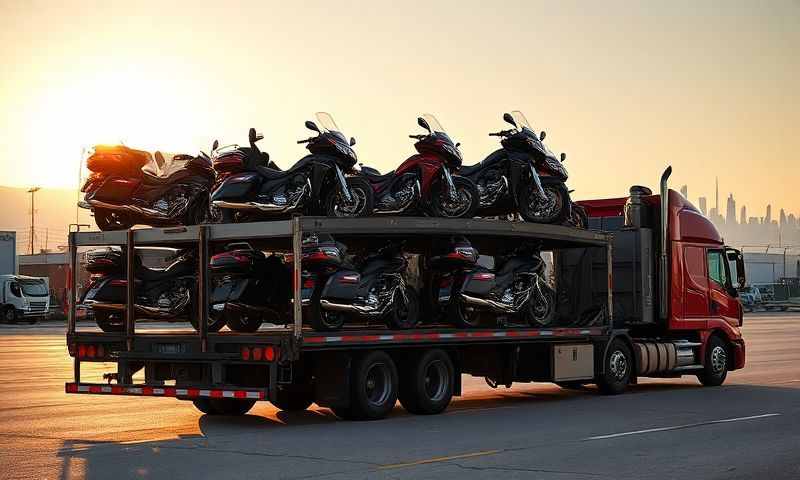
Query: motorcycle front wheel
108,220
465,206
554,208
109,321
361,204
541,306
405,311
216,320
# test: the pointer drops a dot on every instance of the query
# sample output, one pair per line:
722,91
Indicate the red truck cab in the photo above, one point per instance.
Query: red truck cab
699,281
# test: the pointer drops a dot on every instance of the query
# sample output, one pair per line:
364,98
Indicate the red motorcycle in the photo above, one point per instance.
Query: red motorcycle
424,184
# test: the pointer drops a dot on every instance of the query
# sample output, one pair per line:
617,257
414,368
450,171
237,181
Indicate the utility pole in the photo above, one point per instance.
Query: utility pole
32,191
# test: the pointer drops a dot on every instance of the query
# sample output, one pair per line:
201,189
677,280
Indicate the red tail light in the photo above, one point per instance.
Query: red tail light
267,353
349,278
90,351
483,276
119,283
81,351
245,353
445,282
308,283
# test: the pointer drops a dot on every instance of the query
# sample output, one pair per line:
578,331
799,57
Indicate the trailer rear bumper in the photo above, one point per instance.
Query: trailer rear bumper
175,392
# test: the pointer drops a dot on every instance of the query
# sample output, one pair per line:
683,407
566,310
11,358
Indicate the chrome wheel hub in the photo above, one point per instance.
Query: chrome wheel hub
618,365
719,359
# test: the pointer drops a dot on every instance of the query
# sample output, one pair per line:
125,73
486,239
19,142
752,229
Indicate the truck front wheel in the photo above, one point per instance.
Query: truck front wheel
715,367
426,387
617,368
10,315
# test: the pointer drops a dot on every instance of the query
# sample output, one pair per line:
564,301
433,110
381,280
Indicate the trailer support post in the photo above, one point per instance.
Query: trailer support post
297,307
202,289
130,314
72,300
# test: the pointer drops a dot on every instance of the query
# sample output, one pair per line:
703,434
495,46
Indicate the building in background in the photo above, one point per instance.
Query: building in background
8,253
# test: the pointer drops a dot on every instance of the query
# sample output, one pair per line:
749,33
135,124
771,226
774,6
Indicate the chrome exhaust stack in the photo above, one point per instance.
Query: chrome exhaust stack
266,207
133,209
663,281
349,308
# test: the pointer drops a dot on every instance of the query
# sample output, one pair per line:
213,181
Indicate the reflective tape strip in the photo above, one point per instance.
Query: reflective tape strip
161,391
478,334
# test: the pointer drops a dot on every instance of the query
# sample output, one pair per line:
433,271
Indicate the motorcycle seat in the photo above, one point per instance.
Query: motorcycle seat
375,176
272,174
468,170
150,179
173,270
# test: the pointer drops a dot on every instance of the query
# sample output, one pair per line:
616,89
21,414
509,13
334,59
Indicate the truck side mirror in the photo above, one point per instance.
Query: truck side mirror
737,257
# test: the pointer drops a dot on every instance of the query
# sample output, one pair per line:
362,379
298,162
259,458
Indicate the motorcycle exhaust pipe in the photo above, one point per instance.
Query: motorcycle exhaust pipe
153,312
491,304
141,211
344,307
265,207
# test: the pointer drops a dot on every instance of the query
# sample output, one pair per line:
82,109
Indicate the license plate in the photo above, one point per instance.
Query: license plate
170,348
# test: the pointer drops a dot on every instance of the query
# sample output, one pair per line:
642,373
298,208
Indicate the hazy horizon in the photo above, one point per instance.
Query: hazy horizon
624,88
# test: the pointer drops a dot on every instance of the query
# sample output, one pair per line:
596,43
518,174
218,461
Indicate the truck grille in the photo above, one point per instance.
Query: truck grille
38,306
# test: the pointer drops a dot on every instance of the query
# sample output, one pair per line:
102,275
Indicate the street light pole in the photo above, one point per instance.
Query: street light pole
32,191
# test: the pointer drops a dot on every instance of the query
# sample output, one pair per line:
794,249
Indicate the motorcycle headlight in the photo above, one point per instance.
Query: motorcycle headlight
346,151
452,151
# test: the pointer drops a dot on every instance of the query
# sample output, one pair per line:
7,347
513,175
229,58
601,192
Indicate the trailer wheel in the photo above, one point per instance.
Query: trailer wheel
617,366
715,368
427,385
374,385
292,400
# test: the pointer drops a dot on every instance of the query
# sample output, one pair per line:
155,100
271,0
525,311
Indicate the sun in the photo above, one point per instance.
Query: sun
137,107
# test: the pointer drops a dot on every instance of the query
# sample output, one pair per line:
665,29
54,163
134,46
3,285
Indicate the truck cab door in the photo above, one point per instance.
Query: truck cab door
723,302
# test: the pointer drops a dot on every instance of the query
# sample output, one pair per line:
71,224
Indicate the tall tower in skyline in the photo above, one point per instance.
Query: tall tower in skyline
730,210
716,194
743,215
685,192
768,216
701,201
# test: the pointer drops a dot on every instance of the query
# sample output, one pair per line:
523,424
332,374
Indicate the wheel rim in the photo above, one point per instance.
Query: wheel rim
470,315
353,209
9,315
618,364
331,320
455,209
378,384
541,310
437,380
719,359
547,208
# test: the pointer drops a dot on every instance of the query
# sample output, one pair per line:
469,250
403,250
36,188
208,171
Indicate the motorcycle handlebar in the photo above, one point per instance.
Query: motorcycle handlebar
417,137
501,133
304,141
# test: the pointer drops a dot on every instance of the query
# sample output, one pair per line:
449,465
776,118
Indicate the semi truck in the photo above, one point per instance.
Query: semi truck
647,291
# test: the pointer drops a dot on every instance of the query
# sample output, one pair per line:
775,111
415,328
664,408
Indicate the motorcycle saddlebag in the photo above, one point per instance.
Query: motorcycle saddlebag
238,261
117,160
343,285
478,283
104,260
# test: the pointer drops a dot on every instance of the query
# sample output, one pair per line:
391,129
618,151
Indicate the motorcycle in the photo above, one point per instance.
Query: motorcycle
249,288
424,182
322,183
524,176
334,288
129,187
165,294
515,287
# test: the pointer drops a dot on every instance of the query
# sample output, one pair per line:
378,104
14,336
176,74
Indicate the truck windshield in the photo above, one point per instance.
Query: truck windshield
34,289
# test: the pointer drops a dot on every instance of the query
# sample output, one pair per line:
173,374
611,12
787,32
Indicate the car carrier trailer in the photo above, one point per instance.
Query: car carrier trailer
613,324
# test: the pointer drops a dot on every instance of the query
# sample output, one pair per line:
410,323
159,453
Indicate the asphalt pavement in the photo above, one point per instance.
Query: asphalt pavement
672,428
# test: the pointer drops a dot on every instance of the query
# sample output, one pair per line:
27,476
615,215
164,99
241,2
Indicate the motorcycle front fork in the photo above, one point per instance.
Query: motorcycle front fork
348,197
451,186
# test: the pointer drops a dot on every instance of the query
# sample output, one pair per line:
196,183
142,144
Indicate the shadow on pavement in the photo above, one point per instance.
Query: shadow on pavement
315,442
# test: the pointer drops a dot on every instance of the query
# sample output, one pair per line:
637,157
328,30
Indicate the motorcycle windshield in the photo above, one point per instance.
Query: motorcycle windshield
163,164
521,120
434,124
328,124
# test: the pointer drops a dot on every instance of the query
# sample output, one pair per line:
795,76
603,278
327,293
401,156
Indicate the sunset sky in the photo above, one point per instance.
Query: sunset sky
625,88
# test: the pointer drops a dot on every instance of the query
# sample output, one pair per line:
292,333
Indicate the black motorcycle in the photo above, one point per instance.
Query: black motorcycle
168,293
129,187
251,187
524,176
515,287
335,288
249,288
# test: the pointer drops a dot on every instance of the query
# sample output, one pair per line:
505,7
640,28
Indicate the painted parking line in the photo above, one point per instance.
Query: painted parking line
680,427
438,459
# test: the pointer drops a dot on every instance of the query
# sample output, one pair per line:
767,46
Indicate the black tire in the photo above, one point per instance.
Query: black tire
216,319
345,413
204,405
240,322
10,315
107,220
374,386
364,200
405,313
578,217
426,387
324,320
715,366
558,204
109,321
293,400
468,203
542,308
462,315
617,368
229,406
